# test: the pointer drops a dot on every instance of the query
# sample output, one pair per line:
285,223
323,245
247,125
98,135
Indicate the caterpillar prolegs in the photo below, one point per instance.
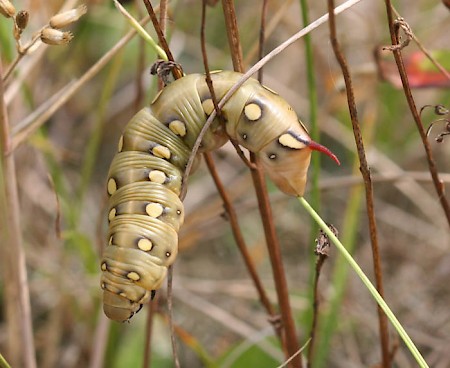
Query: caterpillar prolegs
144,179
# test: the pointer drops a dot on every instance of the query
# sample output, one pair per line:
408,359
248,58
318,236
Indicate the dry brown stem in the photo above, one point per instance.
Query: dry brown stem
365,171
290,343
13,265
228,205
438,185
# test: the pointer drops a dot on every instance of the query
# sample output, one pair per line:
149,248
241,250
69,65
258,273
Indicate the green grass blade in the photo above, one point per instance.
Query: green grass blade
401,331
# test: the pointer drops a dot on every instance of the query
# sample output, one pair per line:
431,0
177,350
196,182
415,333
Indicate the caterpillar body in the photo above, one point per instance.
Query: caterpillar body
144,180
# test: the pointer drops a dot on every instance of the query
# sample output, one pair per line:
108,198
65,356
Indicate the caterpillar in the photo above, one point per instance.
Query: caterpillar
145,176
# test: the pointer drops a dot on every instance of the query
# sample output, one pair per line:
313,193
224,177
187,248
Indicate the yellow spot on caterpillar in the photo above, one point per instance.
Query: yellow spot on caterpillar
110,240
208,106
104,267
133,276
120,144
112,186
157,176
167,254
161,151
103,285
154,210
124,295
145,244
112,214
252,112
178,127
289,141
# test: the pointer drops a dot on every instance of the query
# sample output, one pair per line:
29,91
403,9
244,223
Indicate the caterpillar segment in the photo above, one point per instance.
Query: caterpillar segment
145,177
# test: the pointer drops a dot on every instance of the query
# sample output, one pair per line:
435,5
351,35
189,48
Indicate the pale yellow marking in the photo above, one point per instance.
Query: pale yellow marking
120,144
288,140
208,106
270,90
103,285
161,151
104,267
154,210
252,112
216,71
112,186
145,245
112,214
178,127
157,176
167,254
157,96
133,276
110,240
124,295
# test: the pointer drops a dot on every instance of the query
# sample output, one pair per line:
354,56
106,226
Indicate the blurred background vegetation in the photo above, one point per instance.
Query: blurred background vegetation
61,172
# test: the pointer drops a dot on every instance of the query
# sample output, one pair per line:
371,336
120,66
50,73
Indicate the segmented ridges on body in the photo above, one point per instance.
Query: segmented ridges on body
145,176
145,213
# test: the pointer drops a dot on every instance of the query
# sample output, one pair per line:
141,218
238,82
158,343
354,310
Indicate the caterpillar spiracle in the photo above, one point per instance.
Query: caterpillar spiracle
145,177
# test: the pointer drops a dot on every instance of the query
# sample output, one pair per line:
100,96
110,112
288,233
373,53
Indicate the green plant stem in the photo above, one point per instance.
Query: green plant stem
315,135
395,322
141,31
3,362
312,97
339,278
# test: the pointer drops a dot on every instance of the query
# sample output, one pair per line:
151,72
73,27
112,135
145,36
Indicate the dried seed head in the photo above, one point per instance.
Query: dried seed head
22,19
52,36
440,110
7,9
62,20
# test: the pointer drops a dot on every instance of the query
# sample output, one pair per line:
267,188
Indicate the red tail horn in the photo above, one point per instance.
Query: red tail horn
318,147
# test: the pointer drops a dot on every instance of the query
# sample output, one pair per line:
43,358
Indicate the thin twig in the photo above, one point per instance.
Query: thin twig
322,252
438,185
170,315
140,65
365,171
205,60
262,37
17,294
279,275
100,340
161,38
234,41
228,205
425,51
237,234
289,340
176,74
152,308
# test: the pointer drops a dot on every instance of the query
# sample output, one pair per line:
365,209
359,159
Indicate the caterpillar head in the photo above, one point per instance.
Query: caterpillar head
286,160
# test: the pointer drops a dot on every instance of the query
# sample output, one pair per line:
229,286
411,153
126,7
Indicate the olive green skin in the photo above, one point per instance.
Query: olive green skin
159,138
